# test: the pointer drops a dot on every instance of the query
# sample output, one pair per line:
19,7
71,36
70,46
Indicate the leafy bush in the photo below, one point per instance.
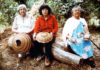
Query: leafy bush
7,11
30,3
61,8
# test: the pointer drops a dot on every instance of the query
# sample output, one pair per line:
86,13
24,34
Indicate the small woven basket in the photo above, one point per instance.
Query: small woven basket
44,37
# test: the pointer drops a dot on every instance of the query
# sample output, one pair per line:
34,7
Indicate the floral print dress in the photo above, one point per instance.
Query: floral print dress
81,47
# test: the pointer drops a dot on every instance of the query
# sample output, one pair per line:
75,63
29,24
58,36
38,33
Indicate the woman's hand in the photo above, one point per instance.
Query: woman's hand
23,32
51,33
20,32
87,36
34,36
73,40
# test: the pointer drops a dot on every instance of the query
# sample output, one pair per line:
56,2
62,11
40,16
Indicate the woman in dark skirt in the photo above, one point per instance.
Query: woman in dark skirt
46,23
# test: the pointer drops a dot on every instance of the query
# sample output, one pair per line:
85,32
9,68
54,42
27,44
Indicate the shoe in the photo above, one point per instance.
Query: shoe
92,63
39,58
47,62
85,61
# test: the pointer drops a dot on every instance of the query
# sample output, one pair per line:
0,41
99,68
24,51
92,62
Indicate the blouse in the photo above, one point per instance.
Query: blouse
49,25
70,25
23,24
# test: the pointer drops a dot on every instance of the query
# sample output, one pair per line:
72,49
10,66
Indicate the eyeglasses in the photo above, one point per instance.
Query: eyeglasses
76,11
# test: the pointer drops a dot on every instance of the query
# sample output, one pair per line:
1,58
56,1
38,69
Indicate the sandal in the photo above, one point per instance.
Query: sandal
38,58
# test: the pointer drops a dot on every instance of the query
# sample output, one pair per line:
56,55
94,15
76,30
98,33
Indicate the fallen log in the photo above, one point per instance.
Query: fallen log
61,53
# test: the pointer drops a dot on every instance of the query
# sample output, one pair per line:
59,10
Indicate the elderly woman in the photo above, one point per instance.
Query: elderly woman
23,23
46,23
76,34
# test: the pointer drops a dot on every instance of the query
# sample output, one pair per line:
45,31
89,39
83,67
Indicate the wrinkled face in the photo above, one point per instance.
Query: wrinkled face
76,12
22,11
45,12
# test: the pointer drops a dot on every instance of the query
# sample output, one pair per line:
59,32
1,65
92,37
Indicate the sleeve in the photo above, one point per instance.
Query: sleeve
15,26
67,30
55,29
36,28
84,22
64,31
33,20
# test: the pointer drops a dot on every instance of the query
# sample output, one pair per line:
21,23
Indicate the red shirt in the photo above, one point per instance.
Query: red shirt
49,25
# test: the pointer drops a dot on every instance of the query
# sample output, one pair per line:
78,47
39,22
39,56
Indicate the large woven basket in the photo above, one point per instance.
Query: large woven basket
21,43
44,37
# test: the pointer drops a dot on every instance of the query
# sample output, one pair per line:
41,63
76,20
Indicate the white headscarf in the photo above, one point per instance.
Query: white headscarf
21,5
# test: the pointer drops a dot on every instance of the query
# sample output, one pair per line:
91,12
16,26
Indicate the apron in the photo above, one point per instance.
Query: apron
81,47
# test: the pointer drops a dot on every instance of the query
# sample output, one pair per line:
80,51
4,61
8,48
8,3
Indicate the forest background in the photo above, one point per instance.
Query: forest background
60,8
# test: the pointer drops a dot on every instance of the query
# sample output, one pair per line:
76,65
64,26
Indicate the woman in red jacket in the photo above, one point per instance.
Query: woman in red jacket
46,23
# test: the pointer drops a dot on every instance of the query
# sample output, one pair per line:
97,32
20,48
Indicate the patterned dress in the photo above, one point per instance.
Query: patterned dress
81,47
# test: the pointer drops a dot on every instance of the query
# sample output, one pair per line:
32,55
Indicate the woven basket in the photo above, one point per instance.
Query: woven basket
44,37
21,43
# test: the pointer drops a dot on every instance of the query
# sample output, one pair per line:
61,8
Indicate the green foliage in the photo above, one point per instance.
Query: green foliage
60,8
7,11
63,7
30,3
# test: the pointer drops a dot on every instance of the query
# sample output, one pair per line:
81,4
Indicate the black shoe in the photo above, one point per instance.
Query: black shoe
85,61
92,63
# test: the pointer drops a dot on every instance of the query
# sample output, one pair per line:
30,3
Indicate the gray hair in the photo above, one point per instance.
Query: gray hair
21,5
73,9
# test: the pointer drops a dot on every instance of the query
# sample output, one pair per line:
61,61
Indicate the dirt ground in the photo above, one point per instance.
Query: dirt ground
8,58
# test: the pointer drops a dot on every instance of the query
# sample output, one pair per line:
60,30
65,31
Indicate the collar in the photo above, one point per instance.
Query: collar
24,16
48,17
75,18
